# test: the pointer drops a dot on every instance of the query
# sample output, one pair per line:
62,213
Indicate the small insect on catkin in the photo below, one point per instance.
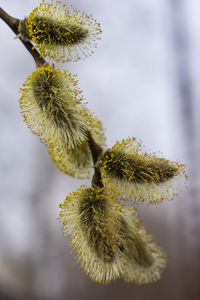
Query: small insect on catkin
59,32
78,162
137,175
51,107
90,218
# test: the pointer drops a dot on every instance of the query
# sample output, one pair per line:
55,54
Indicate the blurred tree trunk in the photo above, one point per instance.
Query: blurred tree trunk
189,213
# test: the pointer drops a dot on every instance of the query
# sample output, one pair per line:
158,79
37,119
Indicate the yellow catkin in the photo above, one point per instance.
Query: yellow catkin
78,162
145,261
51,106
59,32
89,218
108,239
134,174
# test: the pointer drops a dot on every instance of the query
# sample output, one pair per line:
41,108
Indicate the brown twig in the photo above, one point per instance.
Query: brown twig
96,152
13,23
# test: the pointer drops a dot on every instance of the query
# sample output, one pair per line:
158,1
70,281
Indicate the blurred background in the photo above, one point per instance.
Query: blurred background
143,80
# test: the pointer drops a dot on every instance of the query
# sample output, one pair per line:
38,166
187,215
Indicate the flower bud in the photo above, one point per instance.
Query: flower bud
108,239
137,175
145,261
51,107
89,216
78,162
59,32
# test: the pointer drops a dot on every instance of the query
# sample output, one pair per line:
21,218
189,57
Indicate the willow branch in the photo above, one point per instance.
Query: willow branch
13,23
95,149
96,152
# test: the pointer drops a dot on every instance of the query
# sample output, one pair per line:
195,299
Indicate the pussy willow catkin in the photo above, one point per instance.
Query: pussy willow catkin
137,175
59,32
51,106
89,219
108,239
145,261
78,162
